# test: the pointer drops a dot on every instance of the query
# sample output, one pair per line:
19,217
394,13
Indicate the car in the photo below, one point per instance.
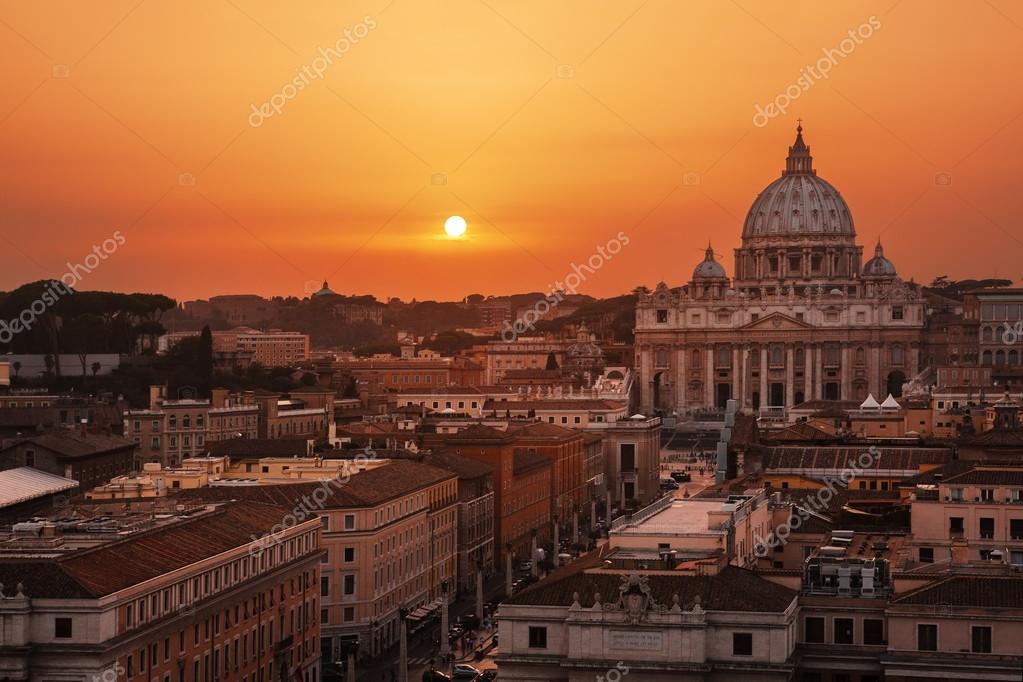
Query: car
435,676
464,671
487,675
469,621
669,484
681,477
526,567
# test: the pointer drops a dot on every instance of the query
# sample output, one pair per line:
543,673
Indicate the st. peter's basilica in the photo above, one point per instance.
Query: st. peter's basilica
801,319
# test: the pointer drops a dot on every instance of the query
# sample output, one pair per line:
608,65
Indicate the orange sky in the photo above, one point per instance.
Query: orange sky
556,124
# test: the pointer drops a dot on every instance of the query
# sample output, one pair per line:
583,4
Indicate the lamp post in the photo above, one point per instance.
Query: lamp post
349,648
532,555
403,646
479,589
575,524
557,535
508,571
445,645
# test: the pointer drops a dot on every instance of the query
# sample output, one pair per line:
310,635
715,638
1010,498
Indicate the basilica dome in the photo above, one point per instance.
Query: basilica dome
709,268
879,266
799,203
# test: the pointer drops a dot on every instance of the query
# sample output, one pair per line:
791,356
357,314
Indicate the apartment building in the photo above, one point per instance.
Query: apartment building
272,348
180,597
564,448
969,513
89,458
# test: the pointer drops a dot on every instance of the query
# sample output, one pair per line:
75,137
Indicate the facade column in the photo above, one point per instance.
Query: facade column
646,380
874,370
736,375
708,388
744,377
807,372
818,372
763,376
790,379
680,382
846,393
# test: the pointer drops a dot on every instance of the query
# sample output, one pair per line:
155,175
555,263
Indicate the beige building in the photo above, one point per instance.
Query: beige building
712,622
800,319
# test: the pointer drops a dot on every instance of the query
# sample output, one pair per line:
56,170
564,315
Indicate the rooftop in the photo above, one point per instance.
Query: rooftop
25,483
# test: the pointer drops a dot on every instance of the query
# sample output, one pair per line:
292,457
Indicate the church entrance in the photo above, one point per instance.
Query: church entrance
895,381
777,395
832,391
722,394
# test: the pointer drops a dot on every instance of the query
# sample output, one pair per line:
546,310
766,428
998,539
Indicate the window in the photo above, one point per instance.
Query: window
1016,529
955,525
926,555
324,586
843,631
987,528
662,317
742,643
981,639
814,628
349,614
349,584
349,555
62,627
873,631
987,495
627,457
324,616
927,637
349,521
537,638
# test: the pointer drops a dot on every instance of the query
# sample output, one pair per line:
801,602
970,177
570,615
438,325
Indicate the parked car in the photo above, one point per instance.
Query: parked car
526,567
469,621
681,477
435,676
668,484
464,671
487,675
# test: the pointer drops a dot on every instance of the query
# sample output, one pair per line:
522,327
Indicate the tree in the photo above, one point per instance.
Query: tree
552,362
96,367
16,366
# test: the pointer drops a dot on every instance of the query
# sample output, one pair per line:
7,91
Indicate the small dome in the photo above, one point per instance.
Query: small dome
709,268
879,266
324,291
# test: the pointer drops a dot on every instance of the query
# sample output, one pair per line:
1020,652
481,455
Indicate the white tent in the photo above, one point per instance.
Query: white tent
890,403
870,403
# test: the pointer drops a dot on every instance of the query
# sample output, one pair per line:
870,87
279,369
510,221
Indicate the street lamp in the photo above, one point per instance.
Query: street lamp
403,647
445,645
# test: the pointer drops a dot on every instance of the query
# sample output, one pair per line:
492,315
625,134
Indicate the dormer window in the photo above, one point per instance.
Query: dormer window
662,316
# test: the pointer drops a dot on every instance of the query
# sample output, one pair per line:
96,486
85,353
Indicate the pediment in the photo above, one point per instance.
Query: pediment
777,322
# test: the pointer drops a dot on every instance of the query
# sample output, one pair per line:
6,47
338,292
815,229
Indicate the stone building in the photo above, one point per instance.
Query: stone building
802,318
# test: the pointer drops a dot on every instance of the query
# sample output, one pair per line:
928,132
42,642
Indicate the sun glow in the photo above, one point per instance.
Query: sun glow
455,226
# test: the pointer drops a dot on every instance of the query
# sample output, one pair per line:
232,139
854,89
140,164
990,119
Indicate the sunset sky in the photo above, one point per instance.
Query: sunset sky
549,125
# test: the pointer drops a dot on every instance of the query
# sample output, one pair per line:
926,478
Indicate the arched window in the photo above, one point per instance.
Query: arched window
985,359
988,334
1000,357
1013,357
800,358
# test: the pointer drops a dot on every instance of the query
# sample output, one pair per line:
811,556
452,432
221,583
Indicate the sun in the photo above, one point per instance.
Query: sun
455,226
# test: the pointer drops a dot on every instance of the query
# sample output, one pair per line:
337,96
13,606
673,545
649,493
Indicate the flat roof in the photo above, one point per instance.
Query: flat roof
681,517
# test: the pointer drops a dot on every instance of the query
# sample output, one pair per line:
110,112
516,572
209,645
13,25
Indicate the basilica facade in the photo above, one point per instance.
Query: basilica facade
802,317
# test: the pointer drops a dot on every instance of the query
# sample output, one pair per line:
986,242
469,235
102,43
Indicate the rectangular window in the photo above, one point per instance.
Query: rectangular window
1016,529
324,586
627,456
987,528
349,584
873,631
927,637
349,555
742,643
662,317
814,628
62,627
537,638
349,521
926,555
981,639
843,631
